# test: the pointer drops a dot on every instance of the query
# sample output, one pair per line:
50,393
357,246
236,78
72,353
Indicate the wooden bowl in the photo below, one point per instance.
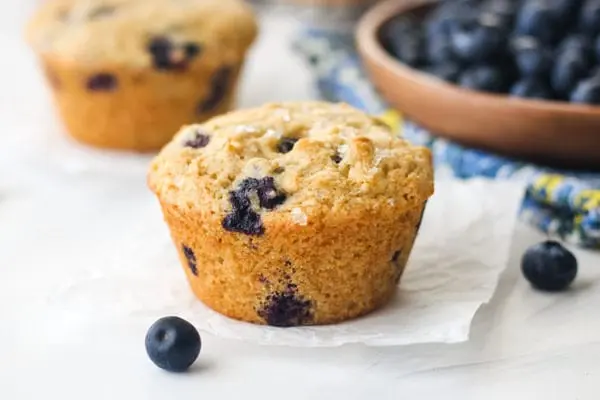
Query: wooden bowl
548,132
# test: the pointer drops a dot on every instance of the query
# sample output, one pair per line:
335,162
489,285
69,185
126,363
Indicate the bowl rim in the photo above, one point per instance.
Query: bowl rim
370,46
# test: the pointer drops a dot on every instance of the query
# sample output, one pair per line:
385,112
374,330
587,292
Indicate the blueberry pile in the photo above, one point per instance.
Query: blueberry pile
542,49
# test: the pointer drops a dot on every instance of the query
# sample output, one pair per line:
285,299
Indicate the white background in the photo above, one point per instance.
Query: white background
525,344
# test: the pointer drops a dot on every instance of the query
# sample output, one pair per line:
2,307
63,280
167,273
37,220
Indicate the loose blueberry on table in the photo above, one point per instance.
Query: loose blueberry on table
173,344
544,49
549,266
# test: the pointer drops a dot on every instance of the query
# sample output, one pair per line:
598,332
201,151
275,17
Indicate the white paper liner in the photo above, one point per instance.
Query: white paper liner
453,270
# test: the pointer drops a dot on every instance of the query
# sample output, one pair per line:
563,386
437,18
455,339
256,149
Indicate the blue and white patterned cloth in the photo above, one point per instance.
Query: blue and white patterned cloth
560,203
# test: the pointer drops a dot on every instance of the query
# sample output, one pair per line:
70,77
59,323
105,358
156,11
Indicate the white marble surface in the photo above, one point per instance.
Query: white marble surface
524,344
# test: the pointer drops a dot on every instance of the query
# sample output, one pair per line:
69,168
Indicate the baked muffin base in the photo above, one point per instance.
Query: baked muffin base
333,269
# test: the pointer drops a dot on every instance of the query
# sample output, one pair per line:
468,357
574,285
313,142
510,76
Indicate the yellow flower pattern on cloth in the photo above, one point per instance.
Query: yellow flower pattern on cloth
393,119
588,200
572,208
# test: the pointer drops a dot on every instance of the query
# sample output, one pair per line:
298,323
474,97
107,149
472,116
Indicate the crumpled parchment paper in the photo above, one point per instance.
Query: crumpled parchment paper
462,248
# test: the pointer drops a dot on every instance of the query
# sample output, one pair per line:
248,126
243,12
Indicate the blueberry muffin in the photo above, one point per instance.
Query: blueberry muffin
127,74
292,214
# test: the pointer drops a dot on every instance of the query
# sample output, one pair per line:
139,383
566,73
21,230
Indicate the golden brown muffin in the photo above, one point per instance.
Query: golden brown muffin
127,74
294,213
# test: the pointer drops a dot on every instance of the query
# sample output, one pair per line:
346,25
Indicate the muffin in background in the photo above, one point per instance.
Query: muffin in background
127,74
292,214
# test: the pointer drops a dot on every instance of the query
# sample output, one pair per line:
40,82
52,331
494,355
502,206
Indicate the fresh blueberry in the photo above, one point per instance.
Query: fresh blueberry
448,71
286,144
200,140
439,50
398,27
587,92
589,20
409,49
532,88
439,20
568,9
575,40
549,266
104,82
484,78
190,258
540,19
458,8
477,40
533,59
505,9
569,68
218,90
568,14
403,39
437,24
581,45
173,344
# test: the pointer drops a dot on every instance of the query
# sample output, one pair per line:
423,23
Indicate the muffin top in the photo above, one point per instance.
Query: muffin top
298,159
141,32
